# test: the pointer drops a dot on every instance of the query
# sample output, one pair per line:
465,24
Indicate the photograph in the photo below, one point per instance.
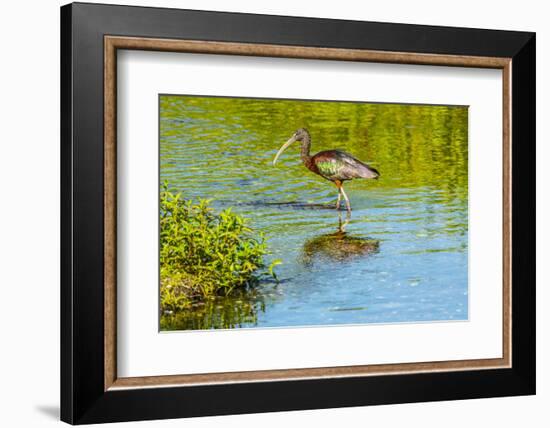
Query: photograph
281,213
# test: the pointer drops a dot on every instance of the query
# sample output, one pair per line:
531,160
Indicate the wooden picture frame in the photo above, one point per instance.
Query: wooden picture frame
91,390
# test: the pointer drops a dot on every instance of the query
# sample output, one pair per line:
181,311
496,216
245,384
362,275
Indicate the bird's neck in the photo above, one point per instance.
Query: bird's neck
304,153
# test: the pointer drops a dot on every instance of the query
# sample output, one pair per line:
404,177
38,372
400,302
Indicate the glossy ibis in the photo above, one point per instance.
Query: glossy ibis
333,165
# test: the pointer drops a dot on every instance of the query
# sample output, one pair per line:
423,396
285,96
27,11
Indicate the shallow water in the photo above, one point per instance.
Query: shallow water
403,254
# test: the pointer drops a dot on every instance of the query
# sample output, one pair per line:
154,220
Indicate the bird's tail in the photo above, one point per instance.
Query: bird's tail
369,172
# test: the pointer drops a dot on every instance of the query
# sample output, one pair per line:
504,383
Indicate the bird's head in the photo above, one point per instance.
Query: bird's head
300,135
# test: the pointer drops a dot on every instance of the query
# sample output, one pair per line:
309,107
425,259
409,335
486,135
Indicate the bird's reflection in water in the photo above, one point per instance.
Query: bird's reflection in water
338,246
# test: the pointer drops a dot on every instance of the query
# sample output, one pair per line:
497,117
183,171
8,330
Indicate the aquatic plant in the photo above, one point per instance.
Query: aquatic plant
238,310
203,254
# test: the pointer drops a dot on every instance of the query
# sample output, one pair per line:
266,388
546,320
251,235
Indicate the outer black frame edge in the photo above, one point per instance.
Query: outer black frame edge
524,212
301,31
66,370
82,397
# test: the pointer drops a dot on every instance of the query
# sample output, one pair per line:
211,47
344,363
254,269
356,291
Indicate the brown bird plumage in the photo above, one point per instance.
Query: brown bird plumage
334,165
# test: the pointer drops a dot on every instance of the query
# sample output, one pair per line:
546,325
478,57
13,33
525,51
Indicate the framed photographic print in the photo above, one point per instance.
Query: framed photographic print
265,213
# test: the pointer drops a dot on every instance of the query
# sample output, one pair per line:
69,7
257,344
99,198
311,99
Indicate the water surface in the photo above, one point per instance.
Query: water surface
403,254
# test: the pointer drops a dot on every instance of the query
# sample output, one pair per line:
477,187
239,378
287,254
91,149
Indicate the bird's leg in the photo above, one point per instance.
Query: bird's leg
339,186
348,216
342,225
348,205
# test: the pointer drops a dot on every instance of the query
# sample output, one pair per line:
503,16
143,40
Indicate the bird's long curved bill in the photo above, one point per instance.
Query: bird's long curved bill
282,149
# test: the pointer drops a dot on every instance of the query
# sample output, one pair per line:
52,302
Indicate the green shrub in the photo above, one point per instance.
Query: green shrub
203,254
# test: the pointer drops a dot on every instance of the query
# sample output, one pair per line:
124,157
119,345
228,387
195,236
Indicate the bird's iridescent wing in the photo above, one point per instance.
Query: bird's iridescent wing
339,165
